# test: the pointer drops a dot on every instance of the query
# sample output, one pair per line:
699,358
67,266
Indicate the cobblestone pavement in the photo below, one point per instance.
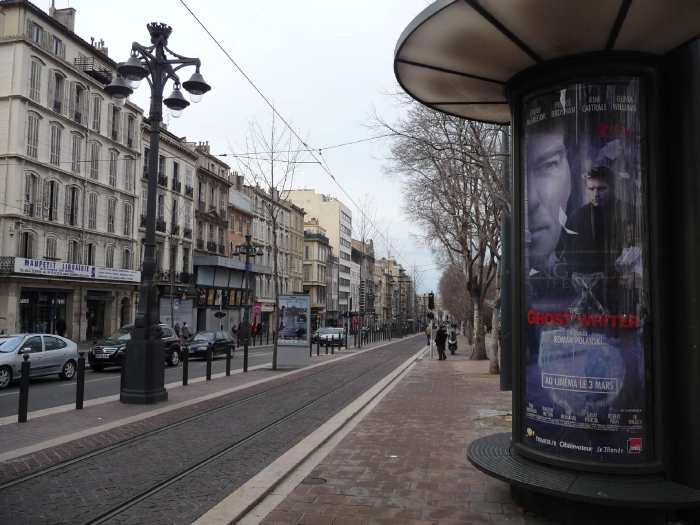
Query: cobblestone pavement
406,463
83,491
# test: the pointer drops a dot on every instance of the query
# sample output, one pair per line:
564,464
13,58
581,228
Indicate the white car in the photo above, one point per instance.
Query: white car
331,336
48,355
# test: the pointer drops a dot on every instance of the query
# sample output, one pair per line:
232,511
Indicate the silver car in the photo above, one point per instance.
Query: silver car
48,355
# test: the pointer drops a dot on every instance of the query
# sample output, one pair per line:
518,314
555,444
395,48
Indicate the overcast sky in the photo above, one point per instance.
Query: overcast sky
326,65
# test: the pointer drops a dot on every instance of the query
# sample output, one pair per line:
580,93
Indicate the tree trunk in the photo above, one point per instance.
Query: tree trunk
275,278
479,348
494,365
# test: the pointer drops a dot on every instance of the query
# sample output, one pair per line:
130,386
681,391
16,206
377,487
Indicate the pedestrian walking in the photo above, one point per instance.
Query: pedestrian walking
186,334
177,328
428,333
440,338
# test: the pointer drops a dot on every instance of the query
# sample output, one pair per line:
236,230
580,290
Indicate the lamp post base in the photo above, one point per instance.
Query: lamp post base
143,373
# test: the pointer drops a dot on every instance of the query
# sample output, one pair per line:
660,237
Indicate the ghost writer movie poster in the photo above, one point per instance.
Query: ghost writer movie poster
585,274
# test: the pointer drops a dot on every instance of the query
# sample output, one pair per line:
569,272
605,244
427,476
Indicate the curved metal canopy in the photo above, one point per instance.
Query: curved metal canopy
456,56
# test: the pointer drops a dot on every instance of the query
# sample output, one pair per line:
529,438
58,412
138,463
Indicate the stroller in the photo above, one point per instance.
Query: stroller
452,341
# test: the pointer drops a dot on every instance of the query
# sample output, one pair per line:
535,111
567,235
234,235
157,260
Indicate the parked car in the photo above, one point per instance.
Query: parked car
218,341
48,355
112,351
331,336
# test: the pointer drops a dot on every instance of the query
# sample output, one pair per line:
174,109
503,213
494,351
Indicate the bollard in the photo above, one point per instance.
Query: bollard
326,346
24,390
318,347
185,365
311,347
80,382
333,346
346,340
267,338
245,354
228,361
210,355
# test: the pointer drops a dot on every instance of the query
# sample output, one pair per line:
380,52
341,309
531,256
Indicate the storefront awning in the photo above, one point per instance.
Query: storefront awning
457,55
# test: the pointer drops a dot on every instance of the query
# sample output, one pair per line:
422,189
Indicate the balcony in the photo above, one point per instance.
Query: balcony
200,244
211,246
94,69
175,229
177,185
189,191
162,180
187,233
160,225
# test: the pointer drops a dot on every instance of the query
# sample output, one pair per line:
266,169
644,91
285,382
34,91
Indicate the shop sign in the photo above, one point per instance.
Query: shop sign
76,271
586,305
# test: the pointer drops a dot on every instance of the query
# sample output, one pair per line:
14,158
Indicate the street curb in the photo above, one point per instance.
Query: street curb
13,454
240,503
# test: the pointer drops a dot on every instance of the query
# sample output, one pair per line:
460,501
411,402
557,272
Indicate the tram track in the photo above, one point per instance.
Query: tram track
361,372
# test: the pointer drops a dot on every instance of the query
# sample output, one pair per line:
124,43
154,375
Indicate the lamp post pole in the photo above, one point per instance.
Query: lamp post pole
249,251
144,368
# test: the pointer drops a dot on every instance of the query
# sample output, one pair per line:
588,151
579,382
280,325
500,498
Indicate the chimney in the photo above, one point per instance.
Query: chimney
65,16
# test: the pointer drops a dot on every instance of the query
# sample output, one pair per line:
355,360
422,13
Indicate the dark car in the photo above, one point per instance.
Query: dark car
218,341
112,350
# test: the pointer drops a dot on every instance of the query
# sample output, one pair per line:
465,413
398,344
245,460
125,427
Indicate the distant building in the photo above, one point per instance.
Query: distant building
363,254
317,252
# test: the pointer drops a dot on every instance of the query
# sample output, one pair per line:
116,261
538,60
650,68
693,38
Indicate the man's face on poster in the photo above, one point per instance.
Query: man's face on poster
548,189
598,192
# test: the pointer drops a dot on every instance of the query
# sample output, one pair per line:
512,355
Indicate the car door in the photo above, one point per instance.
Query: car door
54,354
220,343
35,349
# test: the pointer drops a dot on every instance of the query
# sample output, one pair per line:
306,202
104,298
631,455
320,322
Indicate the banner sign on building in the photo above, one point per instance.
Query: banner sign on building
293,323
585,285
77,271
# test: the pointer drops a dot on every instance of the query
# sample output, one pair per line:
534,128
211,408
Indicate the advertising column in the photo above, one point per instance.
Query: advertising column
585,353
293,330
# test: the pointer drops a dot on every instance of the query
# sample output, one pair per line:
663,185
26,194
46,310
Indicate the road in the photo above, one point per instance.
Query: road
174,474
46,392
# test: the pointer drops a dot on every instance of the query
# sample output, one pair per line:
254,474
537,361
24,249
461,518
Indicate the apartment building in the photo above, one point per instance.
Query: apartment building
363,254
316,257
68,160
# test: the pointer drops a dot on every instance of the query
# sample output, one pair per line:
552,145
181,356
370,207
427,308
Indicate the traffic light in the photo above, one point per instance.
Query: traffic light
431,301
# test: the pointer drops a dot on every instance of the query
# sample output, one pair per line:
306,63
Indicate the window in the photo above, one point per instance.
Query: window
161,207
185,259
26,246
50,249
90,249
77,152
173,255
53,343
126,259
34,345
72,203
114,121
176,173
57,84
109,256
212,196
129,164
161,166
128,218
50,200
187,219
55,155
35,33
35,80
92,211
130,127
188,180
113,158
111,212
73,252
31,191
174,216
96,113
57,47
146,161
78,103
32,134
95,160
306,253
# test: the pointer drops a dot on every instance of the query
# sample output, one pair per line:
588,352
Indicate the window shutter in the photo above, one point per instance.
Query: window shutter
71,101
46,199
110,110
54,198
84,108
67,99
52,89
66,211
44,39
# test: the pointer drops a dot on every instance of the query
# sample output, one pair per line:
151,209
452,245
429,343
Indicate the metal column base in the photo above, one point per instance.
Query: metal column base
574,497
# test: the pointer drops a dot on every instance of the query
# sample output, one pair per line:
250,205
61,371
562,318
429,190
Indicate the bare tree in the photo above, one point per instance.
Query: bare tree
454,296
453,188
270,165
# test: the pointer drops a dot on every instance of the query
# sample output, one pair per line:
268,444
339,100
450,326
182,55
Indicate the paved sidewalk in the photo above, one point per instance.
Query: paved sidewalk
406,463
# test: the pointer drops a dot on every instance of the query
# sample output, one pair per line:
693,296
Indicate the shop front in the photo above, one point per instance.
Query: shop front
44,310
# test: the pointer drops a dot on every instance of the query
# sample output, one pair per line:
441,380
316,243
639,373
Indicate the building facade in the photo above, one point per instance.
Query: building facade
336,219
363,254
316,255
69,160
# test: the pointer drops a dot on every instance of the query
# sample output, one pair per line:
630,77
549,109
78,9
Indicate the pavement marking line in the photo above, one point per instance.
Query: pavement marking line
60,440
250,503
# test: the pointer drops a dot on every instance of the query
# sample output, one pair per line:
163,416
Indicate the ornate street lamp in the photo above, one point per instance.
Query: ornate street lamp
144,367
248,250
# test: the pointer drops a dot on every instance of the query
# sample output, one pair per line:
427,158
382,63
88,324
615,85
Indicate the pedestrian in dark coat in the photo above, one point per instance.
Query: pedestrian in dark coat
440,339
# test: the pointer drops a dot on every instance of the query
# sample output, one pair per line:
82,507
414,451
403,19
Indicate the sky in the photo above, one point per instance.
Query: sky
326,65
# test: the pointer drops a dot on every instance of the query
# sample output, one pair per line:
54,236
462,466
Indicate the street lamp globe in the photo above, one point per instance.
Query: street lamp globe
119,89
133,70
176,102
196,86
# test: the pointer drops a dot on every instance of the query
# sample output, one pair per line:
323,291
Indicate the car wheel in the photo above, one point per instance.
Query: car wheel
174,357
97,368
68,370
5,377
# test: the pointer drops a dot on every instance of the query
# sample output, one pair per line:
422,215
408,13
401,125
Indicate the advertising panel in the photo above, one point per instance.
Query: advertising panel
70,270
585,291
294,314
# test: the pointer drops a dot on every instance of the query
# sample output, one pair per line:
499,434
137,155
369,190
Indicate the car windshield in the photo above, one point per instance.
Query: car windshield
204,336
123,334
9,344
